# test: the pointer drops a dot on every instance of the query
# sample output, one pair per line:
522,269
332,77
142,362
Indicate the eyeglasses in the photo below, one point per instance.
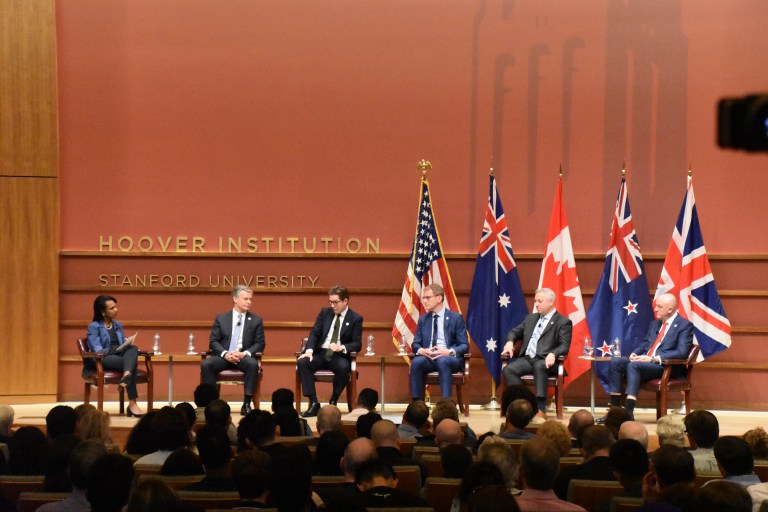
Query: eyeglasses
335,302
427,297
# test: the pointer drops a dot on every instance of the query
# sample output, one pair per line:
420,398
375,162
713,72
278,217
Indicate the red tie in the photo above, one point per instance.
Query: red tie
658,339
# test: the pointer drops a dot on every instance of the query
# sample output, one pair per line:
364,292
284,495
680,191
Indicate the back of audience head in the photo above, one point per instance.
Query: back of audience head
520,413
81,460
182,461
109,483
56,472
671,430
205,394
634,430
365,423
558,434
702,429
153,495
368,399
95,424
290,482
375,472
734,458
629,460
257,428
187,410
416,414
6,419
539,463
282,397
61,419
329,452
288,422
28,452
596,438
498,452
479,474
615,417
80,411
723,496
445,408
492,498
213,447
250,472
140,440
579,421
355,454
384,433
448,432
757,439
673,464
516,392
169,429
218,413
328,418
455,459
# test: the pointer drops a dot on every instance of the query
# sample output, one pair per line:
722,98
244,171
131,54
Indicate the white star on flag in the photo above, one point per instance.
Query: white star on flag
490,345
504,300
631,308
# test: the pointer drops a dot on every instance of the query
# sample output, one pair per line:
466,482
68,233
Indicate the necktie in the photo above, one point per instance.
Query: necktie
334,337
236,334
433,343
658,339
531,350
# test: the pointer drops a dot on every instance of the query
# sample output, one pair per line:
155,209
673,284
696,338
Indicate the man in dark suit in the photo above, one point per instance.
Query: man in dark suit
669,337
337,331
440,343
546,335
235,337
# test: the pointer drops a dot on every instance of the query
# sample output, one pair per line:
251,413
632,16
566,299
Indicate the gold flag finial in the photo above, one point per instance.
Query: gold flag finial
490,173
424,166
623,169
690,170
561,170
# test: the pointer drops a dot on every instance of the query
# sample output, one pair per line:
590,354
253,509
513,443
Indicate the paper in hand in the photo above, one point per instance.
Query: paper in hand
128,342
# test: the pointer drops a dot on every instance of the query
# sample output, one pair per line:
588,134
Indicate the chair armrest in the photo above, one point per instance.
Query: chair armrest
93,355
674,362
146,354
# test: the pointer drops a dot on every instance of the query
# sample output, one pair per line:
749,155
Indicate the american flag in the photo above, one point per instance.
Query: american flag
621,307
496,301
688,276
558,272
426,266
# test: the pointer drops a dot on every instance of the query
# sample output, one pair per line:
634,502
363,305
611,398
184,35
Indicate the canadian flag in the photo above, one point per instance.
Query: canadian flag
558,272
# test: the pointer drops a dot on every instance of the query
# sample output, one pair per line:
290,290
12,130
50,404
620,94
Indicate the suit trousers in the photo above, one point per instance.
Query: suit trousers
211,366
525,366
635,371
445,366
339,364
124,361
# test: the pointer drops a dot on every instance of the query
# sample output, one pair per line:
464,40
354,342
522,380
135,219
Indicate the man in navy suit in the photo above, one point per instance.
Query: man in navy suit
235,337
546,335
440,343
669,337
337,331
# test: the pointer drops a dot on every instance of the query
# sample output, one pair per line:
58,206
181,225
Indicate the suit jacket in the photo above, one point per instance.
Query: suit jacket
454,329
676,343
221,334
98,336
350,334
556,337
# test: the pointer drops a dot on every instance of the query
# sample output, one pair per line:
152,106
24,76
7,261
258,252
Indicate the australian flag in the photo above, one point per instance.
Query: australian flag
496,301
621,307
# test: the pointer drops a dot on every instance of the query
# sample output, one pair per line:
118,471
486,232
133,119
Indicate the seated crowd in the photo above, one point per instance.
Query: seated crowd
274,460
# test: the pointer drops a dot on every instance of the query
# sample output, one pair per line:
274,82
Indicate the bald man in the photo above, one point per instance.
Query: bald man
387,441
448,432
634,430
669,337
347,497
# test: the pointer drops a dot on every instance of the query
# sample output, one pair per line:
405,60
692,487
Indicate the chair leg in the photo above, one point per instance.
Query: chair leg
464,406
256,398
687,398
558,403
150,393
121,392
100,396
352,391
87,393
297,392
661,403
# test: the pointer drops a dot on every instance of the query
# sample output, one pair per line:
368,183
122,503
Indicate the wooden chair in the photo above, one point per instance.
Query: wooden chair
234,377
174,482
349,429
407,445
408,479
439,492
11,486
420,451
327,376
570,461
140,470
433,463
702,479
667,384
31,501
207,500
458,379
320,482
622,504
590,493
100,376
516,444
556,382
761,470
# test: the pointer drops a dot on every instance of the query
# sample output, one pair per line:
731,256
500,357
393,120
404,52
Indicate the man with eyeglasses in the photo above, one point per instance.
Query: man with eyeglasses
235,337
439,344
337,331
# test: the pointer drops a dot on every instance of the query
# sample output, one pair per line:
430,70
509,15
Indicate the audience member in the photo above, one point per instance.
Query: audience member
492,498
95,425
182,462
757,439
365,423
595,445
723,496
516,392
387,442
615,417
290,481
218,414
205,393
347,497
140,441
284,397
61,419
56,475
498,452
670,480
287,422
109,483
519,415
153,496
82,458
329,452
216,455
479,474
455,459
629,463
539,464
577,423
702,430
367,400
558,434
415,419
671,430
250,472
80,411
634,430
448,432
169,431
6,422
378,483
187,410
255,430
28,452
328,418
735,461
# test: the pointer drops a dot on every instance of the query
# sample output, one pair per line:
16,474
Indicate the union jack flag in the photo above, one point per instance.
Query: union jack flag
426,266
688,276
496,301
621,307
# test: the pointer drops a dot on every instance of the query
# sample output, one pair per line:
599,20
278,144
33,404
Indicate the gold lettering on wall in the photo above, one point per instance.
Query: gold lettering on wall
238,244
212,280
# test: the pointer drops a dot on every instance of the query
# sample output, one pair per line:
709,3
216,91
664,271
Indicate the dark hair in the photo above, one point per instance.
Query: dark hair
330,450
417,413
28,452
492,498
140,441
154,495
56,474
258,427
218,413
250,472
477,475
288,420
339,290
595,438
723,496
205,393
100,305
516,392
109,483
372,468
182,461
187,410
368,398
282,397
365,423
445,408
673,464
629,458
539,463
734,455
169,429
290,482
455,459
615,417
81,460
702,427
213,447
520,413
60,420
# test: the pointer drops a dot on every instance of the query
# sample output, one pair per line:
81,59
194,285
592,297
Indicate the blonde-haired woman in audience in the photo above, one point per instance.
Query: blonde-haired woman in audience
757,439
558,433
671,430
95,425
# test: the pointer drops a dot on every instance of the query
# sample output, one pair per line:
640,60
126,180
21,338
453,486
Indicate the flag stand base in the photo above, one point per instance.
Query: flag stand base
493,405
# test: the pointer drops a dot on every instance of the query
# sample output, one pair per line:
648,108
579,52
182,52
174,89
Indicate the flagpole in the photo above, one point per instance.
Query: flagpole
493,405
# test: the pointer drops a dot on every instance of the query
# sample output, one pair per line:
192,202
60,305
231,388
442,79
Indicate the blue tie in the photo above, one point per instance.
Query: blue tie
434,330
236,334
531,350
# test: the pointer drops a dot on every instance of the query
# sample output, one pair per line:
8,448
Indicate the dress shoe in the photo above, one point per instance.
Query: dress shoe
245,409
333,402
132,414
314,408
125,380
600,420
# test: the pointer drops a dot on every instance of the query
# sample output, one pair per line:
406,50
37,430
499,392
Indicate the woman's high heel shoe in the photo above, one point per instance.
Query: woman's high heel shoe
132,414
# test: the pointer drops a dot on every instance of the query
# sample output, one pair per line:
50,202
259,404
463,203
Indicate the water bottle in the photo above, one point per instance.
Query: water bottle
616,347
586,352
191,345
156,345
369,346
401,347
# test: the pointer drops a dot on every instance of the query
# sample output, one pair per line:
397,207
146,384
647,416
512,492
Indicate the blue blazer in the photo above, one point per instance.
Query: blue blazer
98,336
676,343
454,328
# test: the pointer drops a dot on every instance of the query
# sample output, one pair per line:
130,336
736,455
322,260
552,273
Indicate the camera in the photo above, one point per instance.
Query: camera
742,123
